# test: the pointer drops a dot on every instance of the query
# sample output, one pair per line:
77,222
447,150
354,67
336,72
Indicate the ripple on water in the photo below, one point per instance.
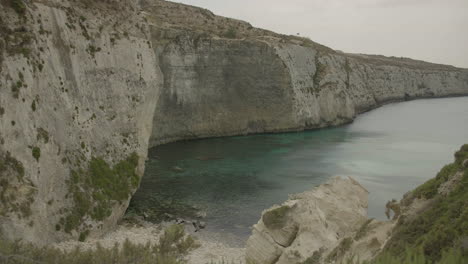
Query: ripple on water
389,150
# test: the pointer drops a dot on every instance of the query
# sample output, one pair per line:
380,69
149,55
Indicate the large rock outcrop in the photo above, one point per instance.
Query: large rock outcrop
86,87
310,224
329,224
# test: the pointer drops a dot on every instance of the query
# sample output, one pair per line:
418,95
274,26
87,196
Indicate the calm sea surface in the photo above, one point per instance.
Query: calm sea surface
390,151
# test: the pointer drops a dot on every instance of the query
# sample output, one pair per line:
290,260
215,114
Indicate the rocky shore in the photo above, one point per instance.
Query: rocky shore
211,247
327,224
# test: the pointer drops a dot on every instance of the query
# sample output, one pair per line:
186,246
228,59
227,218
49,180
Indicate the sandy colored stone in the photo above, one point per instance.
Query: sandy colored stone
324,216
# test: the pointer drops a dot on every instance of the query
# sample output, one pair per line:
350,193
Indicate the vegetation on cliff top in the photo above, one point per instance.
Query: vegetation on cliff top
443,225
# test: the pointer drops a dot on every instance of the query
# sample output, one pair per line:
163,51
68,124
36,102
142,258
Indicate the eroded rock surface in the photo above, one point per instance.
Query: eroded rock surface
254,81
310,224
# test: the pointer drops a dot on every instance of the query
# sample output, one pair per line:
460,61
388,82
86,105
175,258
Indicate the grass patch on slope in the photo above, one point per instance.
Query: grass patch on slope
96,189
276,218
443,226
172,248
412,256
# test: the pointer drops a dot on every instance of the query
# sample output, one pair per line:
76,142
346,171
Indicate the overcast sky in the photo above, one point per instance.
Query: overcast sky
431,30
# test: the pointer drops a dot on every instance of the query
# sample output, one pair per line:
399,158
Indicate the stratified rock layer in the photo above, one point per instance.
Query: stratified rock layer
86,87
258,81
309,224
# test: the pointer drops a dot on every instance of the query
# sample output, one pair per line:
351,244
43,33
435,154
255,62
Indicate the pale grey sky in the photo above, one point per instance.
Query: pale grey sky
431,30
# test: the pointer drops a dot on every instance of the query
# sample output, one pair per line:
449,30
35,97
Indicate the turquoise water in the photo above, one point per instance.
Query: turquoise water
389,150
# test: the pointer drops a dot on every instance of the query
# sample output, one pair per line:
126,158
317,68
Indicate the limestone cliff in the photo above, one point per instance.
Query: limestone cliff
86,87
224,77
78,88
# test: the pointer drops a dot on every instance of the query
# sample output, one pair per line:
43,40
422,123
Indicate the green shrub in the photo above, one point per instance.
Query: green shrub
363,230
176,246
443,223
83,236
36,152
8,162
15,89
33,106
314,259
230,33
92,50
18,6
96,189
43,135
461,155
320,71
340,250
276,218
417,256
11,175
157,207
174,243
429,189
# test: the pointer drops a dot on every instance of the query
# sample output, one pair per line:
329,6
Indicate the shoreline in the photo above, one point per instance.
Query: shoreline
212,248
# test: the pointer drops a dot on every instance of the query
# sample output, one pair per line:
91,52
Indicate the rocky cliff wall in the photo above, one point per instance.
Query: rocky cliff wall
216,87
219,87
77,96
86,87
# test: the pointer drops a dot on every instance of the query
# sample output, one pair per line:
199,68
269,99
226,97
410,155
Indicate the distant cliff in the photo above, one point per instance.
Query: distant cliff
86,87
224,77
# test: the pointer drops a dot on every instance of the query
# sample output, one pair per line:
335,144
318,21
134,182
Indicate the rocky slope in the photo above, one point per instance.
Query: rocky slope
309,224
86,87
329,224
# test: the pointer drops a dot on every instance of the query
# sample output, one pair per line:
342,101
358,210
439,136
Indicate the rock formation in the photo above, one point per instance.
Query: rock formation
86,87
310,224
329,223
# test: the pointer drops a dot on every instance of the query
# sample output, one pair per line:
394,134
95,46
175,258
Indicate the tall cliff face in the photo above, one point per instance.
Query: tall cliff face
86,87
224,77
77,96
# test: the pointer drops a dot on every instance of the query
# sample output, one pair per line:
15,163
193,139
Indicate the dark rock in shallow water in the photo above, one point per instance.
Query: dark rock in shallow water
198,225
202,224
206,158
177,169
